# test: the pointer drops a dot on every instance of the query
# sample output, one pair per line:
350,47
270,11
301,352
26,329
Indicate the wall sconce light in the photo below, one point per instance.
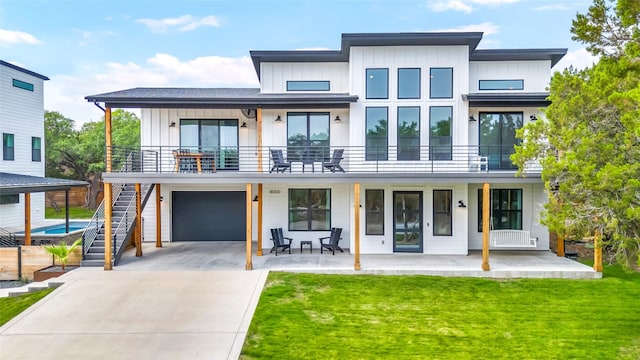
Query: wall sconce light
244,125
278,119
461,204
255,198
172,124
471,118
337,119
533,118
161,198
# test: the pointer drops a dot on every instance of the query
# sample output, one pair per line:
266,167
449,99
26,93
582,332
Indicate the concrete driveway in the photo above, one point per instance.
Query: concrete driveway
100,314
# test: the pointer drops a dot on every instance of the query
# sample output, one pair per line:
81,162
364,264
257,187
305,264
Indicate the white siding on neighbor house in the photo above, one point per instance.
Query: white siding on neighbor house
533,200
274,76
536,74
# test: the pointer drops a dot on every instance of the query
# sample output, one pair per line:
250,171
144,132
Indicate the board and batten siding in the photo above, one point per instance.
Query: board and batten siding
274,76
536,74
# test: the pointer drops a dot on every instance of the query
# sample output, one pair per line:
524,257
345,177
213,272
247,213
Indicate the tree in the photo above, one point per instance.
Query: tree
589,145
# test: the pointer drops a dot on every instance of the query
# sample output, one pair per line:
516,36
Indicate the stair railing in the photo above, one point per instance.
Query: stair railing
121,229
7,239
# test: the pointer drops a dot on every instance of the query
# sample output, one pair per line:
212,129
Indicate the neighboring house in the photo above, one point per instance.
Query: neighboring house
22,128
422,120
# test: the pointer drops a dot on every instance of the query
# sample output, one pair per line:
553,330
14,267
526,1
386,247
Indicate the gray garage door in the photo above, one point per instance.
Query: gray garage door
208,216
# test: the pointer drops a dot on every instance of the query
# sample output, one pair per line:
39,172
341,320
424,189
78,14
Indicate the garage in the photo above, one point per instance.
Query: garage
208,216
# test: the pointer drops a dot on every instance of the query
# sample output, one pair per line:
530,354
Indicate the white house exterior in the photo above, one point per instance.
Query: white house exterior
423,121
22,128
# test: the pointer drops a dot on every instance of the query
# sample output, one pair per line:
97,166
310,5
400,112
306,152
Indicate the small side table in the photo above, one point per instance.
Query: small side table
307,242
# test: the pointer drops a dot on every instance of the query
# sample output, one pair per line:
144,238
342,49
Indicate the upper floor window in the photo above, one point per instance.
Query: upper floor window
308,85
409,133
309,209
216,140
501,85
376,143
36,149
498,137
440,144
307,136
441,85
408,83
377,83
506,209
22,85
7,146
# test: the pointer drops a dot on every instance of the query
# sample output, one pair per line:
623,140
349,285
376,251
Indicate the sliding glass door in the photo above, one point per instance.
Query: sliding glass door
215,139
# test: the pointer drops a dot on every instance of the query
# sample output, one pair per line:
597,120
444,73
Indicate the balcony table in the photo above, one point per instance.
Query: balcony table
196,156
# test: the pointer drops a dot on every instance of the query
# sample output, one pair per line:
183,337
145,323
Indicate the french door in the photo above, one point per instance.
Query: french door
407,221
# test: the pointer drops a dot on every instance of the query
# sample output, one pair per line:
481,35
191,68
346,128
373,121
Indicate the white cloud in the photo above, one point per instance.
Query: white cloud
17,37
65,93
181,23
579,59
465,6
552,7
488,28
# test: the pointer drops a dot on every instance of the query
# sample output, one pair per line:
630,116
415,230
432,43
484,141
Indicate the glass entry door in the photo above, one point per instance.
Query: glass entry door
407,221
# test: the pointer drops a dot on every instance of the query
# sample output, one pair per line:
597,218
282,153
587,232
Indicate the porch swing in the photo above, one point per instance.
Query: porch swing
511,238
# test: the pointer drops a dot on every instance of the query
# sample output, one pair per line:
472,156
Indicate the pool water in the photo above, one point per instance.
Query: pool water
58,228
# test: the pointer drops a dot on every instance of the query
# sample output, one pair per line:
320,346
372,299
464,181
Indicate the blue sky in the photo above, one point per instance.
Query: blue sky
89,47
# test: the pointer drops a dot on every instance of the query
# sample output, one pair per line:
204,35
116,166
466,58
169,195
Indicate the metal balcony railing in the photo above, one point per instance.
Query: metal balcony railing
313,159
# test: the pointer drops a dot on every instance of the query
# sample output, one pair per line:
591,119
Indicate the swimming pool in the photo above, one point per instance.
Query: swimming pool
57,229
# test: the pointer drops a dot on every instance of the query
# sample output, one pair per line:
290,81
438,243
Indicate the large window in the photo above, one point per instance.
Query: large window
307,136
440,145
36,149
501,84
506,209
309,209
498,137
308,85
376,136
441,85
377,83
217,140
7,147
409,133
408,83
442,219
374,215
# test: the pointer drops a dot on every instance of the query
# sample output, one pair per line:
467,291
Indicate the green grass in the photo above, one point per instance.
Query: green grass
10,307
323,316
75,212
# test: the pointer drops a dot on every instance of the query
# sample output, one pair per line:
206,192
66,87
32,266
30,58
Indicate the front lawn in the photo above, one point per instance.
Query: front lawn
323,316
10,307
75,212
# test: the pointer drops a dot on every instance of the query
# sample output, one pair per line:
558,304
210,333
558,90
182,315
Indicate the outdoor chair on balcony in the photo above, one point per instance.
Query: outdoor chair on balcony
333,164
279,242
334,239
279,165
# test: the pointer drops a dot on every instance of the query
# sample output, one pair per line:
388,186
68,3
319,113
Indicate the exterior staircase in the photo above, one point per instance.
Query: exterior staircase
123,221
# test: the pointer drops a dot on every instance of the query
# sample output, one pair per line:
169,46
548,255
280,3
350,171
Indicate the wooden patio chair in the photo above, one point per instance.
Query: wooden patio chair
334,240
279,241
334,163
279,165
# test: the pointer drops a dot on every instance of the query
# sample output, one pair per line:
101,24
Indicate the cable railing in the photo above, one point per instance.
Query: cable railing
316,159
7,239
121,229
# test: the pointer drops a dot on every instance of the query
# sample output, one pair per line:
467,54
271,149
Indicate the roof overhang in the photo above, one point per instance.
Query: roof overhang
18,184
553,55
18,68
507,99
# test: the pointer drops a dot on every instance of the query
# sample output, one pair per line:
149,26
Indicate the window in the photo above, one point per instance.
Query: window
307,85
498,138
408,83
409,133
9,199
441,86
309,209
36,147
7,146
215,139
374,214
22,85
307,136
506,209
501,85
442,213
376,136
377,83
440,132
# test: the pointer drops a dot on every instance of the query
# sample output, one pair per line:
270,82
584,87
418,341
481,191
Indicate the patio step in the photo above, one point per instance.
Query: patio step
92,262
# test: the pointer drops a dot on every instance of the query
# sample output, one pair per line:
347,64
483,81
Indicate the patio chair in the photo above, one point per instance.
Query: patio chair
279,241
334,163
279,165
334,239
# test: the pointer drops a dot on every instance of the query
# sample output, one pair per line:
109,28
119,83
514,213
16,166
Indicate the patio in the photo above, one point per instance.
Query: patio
203,256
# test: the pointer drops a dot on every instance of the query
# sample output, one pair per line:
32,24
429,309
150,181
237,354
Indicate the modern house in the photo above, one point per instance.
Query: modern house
399,139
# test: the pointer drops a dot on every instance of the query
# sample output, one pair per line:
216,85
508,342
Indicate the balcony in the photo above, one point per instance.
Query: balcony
314,160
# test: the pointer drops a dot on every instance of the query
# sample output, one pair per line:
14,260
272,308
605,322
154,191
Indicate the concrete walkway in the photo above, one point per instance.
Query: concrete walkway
138,315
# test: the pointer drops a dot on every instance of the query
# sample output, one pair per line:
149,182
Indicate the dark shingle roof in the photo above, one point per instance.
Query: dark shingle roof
15,67
17,183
